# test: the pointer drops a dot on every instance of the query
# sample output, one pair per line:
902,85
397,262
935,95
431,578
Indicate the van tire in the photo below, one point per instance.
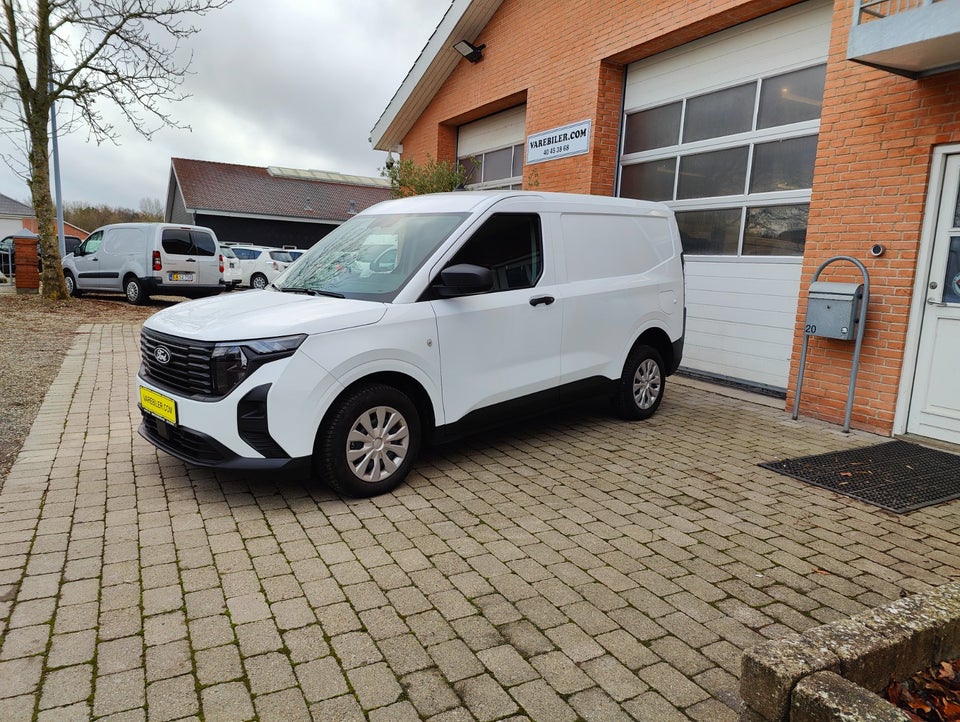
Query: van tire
349,471
641,386
71,284
259,281
134,291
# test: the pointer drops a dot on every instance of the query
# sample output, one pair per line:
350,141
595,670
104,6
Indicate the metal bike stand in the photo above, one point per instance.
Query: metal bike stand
835,310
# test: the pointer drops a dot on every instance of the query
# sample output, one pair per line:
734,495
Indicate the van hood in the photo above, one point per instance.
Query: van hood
262,314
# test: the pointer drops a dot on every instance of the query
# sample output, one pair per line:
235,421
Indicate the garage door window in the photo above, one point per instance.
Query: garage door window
736,164
495,169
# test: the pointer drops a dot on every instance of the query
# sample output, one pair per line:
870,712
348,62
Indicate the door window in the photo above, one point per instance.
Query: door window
951,280
510,245
92,244
203,243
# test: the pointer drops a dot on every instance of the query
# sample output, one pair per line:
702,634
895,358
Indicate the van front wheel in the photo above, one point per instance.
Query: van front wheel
369,442
134,290
71,284
641,386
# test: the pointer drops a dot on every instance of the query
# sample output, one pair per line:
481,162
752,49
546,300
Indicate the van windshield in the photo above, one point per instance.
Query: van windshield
370,257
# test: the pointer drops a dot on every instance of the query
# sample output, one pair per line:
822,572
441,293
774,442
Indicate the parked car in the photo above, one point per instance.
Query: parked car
295,253
491,304
8,261
232,275
144,259
261,264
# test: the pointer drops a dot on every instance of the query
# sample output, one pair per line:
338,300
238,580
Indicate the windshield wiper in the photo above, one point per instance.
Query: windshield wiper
310,291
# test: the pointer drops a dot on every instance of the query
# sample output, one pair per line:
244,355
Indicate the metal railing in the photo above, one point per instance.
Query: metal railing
867,10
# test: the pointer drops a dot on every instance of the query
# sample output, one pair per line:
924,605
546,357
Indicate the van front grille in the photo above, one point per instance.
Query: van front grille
177,364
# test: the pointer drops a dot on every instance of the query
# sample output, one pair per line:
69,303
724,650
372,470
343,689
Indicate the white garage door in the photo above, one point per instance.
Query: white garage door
724,130
492,150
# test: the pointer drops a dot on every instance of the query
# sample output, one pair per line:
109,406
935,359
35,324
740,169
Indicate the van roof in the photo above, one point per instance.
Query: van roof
473,201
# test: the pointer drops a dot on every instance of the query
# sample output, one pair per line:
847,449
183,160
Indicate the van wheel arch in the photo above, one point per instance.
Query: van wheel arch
658,339
330,434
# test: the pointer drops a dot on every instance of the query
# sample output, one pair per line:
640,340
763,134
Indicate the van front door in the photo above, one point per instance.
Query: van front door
87,263
504,344
935,401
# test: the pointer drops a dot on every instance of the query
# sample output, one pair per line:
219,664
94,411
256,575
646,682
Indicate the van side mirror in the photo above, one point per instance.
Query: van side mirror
463,279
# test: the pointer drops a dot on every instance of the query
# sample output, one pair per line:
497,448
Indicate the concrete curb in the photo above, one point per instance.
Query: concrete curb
812,677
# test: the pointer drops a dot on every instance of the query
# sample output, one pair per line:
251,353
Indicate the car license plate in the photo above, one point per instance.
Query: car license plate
159,405
180,276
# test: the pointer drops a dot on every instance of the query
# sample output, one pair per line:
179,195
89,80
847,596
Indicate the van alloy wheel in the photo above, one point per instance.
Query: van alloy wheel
369,442
71,285
258,281
647,383
641,386
134,291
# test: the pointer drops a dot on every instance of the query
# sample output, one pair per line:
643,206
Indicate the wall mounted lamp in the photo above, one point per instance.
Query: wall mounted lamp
473,53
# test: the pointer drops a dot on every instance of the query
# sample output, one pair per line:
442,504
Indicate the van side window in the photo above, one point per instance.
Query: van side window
510,245
203,243
245,254
176,241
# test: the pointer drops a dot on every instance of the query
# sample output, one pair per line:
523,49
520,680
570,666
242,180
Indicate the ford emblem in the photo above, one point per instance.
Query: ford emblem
162,354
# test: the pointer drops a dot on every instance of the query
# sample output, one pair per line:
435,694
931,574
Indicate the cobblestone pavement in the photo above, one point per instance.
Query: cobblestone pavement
574,567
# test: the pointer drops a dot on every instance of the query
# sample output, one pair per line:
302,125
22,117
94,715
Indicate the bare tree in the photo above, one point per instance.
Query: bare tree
151,209
82,53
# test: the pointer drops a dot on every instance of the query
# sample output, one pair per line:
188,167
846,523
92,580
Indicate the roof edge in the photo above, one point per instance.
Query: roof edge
463,20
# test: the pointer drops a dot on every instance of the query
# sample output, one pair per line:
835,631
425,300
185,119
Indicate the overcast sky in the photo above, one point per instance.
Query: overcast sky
294,83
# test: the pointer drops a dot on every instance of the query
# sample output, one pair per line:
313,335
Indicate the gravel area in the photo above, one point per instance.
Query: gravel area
34,336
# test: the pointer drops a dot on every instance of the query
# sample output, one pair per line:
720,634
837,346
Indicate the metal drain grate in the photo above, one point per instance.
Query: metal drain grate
897,475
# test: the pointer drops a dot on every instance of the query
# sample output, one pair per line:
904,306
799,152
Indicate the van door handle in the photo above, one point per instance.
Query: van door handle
191,260
541,300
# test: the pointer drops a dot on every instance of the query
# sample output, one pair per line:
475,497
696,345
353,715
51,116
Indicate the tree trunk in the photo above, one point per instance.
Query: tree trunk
51,276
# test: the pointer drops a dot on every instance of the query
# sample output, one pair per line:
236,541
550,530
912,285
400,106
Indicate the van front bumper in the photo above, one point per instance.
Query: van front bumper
199,449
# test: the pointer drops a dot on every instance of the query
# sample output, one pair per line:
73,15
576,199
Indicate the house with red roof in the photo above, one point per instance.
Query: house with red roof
267,206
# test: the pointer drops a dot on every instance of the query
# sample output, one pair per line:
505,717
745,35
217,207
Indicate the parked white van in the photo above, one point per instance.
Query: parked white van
488,304
145,259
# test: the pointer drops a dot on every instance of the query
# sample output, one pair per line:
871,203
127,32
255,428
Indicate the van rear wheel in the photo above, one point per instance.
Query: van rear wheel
641,386
258,281
369,442
134,290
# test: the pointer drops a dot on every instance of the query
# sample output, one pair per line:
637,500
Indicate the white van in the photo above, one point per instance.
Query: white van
145,259
476,306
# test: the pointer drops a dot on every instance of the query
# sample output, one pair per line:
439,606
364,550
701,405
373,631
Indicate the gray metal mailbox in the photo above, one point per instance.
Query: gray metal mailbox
833,309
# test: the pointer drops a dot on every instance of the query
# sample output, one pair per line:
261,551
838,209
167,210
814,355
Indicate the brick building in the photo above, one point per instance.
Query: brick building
783,134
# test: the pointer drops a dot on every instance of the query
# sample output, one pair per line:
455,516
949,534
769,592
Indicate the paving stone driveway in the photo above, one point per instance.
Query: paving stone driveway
574,567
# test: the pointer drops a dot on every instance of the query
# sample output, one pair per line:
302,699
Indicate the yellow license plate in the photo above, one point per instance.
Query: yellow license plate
174,276
158,405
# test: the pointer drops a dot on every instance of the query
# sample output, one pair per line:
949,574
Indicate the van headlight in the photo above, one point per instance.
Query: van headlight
232,362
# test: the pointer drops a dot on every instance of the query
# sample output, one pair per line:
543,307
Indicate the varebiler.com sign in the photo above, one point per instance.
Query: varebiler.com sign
573,139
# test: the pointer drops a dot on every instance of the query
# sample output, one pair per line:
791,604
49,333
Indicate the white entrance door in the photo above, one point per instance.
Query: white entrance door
935,403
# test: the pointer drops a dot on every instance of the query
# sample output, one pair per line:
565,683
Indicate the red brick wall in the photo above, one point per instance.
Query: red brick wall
877,135
566,60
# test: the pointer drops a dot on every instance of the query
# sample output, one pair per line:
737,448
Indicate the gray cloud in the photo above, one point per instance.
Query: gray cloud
295,83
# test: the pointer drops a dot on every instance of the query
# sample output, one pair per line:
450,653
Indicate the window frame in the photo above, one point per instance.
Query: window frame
745,200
